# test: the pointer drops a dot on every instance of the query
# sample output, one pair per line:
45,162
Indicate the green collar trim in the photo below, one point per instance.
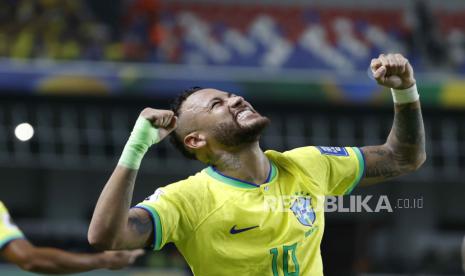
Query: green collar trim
238,182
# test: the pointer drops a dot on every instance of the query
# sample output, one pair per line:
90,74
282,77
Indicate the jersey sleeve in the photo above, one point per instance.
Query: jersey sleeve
8,230
173,213
336,170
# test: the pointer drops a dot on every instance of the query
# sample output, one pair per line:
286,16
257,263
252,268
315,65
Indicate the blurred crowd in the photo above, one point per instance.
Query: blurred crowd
71,30
218,33
52,29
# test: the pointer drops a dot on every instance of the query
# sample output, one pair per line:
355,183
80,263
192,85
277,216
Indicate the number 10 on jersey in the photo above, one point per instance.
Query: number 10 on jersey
288,255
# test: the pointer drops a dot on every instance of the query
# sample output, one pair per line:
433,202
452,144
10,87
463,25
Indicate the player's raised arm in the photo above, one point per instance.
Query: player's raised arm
404,150
55,261
114,225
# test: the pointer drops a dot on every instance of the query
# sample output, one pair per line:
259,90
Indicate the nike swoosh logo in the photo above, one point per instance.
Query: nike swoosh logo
234,230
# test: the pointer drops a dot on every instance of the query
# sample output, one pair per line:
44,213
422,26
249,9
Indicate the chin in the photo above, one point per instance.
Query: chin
254,122
237,134
252,130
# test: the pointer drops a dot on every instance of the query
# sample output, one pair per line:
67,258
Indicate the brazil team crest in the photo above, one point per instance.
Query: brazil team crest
303,211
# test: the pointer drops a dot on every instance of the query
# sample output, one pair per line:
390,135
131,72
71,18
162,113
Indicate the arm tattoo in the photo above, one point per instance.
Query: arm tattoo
408,125
404,148
141,224
383,166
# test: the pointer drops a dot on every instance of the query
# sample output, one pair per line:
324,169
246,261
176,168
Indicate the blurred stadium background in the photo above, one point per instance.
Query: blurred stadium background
80,71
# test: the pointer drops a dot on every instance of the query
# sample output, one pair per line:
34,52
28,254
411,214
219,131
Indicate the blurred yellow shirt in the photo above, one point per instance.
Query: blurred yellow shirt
225,226
8,230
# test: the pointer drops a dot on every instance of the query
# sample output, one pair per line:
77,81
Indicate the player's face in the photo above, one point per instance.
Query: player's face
224,117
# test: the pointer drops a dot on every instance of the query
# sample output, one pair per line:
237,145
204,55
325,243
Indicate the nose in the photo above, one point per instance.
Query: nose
235,101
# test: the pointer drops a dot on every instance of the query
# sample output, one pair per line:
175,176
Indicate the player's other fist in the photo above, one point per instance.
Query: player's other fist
393,71
162,119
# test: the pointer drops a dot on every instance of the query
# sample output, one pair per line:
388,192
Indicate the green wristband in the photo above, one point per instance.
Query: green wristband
142,137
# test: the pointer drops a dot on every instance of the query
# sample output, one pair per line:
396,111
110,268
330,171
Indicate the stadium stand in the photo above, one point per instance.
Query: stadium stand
293,36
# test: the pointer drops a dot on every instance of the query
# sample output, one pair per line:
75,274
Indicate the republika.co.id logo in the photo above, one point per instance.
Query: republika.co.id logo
342,204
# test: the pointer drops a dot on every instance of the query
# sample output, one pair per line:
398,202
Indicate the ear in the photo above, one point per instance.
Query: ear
195,141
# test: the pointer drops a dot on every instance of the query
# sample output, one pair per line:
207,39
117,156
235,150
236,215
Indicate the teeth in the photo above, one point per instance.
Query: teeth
242,114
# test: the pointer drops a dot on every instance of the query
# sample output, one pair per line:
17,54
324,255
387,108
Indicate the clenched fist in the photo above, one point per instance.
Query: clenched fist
393,71
162,119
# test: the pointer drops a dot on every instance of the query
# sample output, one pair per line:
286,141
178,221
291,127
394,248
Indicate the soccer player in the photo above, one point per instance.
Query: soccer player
17,250
229,219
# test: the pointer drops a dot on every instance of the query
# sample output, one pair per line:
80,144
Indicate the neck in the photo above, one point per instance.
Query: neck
247,163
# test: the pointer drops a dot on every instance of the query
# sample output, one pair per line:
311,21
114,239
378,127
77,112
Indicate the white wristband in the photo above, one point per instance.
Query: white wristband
142,137
403,96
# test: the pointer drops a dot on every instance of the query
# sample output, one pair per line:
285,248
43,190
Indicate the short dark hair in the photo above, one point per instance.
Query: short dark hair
176,108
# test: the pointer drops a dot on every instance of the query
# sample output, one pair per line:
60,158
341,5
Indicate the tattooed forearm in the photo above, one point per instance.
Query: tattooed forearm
404,150
407,138
140,224
408,125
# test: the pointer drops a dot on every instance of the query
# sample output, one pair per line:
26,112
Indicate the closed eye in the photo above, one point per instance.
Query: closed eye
214,104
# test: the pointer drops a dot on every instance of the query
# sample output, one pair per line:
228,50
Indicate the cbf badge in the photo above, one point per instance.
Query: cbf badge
303,211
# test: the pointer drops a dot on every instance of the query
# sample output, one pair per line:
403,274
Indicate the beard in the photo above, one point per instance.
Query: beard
232,134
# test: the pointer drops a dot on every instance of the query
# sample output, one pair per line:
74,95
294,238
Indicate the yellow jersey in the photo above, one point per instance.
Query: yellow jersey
8,230
226,226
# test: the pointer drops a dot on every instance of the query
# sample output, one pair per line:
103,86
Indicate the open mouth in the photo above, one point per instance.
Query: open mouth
240,115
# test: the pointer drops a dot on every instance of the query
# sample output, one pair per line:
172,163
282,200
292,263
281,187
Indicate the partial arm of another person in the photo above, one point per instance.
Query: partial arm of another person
404,150
55,261
114,225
